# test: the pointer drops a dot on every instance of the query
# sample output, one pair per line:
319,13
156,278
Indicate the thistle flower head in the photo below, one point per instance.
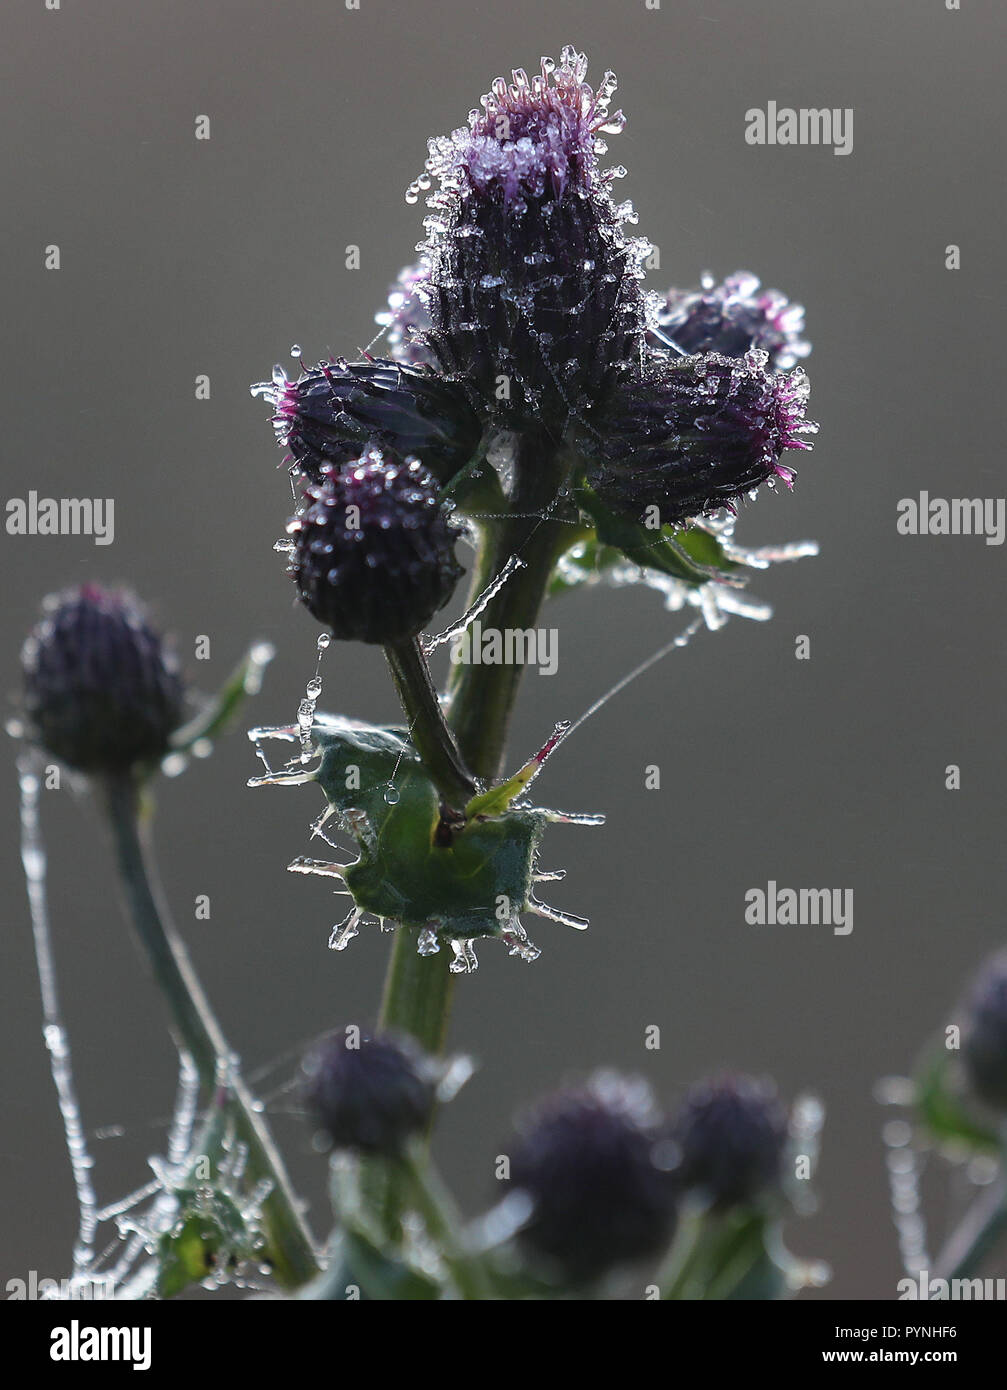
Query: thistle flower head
328,414
534,138
984,1048
695,434
370,1092
589,1161
732,317
101,692
405,319
373,555
532,286
731,1133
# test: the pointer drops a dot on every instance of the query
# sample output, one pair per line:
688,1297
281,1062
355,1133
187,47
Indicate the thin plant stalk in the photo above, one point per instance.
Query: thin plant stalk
198,1033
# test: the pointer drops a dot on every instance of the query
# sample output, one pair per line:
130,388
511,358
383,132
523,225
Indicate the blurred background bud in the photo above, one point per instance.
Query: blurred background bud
370,1092
731,1133
984,1044
589,1160
101,692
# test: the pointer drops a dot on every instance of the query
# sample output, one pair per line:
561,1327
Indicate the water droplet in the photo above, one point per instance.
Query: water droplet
392,795
324,642
344,932
465,958
296,350
566,919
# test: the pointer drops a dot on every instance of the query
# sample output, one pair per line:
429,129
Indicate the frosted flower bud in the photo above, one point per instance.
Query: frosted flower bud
532,286
693,434
373,556
405,319
732,317
329,414
101,692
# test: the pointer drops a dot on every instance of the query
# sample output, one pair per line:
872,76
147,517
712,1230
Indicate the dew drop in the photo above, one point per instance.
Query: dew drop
465,958
391,795
344,932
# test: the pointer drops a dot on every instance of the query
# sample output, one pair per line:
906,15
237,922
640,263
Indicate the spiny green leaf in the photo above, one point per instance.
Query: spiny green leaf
404,872
689,554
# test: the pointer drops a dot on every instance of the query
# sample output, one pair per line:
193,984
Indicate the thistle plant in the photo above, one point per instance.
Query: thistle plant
540,418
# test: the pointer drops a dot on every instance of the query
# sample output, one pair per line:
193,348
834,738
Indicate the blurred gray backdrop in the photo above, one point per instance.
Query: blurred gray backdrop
181,257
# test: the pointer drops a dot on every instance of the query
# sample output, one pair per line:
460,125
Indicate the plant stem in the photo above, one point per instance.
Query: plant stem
428,732
978,1233
418,989
435,1206
482,695
197,1031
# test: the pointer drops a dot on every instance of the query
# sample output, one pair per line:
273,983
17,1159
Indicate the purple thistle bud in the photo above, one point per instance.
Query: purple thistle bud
330,413
370,1092
101,693
984,1048
532,286
589,1160
693,434
731,318
406,321
373,555
731,1133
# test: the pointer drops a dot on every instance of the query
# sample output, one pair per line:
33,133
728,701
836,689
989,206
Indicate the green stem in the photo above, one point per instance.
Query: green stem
418,989
685,1256
417,1001
981,1229
482,695
428,732
198,1033
434,1204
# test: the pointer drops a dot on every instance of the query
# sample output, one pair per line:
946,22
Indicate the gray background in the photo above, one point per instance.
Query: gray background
181,257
